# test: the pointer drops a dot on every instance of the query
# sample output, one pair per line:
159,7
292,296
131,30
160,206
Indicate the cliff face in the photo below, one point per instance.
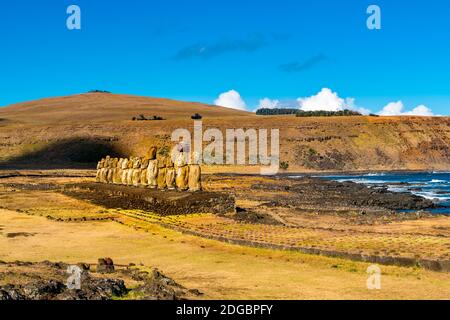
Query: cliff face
77,131
401,143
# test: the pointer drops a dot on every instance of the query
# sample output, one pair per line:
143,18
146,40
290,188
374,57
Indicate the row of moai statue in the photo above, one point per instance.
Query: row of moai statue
178,171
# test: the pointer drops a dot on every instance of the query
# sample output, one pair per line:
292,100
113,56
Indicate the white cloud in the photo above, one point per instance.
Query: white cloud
231,99
267,103
421,111
392,109
396,109
327,100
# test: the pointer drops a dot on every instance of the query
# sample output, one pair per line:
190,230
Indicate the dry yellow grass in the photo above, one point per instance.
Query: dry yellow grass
91,107
426,243
220,270
420,239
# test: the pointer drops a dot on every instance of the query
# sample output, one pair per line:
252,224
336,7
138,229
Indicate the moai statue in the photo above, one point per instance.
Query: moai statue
152,169
151,153
112,170
182,172
180,158
124,171
100,174
130,172
144,166
109,171
182,179
105,169
99,168
137,171
170,174
108,176
195,173
118,172
162,170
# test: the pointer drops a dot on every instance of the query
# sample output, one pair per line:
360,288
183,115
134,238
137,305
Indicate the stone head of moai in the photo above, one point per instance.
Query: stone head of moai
130,163
169,162
107,161
194,158
180,159
162,161
137,163
144,163
183,147
151,153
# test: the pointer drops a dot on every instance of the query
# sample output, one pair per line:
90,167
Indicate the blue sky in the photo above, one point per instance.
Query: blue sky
196,50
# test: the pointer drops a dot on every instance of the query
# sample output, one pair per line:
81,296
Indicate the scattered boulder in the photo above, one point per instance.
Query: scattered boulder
105,265
91,289
43,290
96,289
10,292
48,281
158,286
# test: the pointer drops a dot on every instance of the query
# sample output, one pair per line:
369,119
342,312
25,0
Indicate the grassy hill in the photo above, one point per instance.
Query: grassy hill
106,107
75,131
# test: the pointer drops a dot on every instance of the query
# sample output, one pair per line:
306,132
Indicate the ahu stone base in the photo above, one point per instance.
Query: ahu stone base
161,202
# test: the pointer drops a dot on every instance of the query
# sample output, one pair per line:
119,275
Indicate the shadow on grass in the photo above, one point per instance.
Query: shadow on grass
76,153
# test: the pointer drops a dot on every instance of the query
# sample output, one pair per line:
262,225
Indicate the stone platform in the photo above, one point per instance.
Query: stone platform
165,202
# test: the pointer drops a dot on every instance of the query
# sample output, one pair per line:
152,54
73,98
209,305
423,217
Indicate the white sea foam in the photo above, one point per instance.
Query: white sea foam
375,174
397,189
362,181
432,196
426,195
422,186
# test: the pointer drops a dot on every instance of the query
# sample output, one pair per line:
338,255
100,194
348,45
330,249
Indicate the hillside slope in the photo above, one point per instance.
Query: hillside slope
78,130
106,107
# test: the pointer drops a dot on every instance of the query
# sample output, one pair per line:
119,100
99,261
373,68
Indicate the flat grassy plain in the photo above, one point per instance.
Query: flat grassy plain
30,231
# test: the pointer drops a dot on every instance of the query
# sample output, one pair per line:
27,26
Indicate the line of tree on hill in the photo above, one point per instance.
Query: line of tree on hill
275,111
322,113
98,91
141,117
301,113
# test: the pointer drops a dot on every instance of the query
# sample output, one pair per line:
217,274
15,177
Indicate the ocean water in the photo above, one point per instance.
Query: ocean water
431,185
